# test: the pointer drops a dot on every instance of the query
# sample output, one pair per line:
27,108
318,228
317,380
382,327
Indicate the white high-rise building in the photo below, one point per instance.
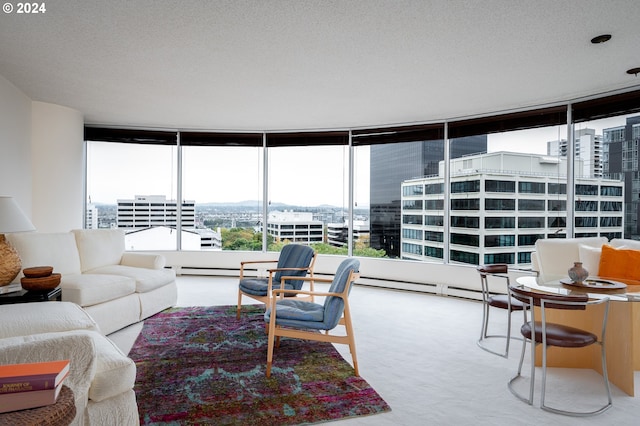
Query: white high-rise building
338,233
501,203
588,149
91,217
296,227
148,211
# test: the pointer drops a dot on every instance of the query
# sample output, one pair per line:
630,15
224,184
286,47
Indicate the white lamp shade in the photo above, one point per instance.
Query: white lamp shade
12,218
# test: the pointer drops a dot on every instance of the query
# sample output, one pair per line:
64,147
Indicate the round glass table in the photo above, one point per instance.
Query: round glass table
622,333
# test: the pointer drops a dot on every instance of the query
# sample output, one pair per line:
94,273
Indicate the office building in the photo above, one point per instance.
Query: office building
295,227
91,217
338,233
501,203
148,211
621,151
587,148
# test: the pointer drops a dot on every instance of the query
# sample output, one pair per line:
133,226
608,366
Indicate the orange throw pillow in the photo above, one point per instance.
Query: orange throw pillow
619,263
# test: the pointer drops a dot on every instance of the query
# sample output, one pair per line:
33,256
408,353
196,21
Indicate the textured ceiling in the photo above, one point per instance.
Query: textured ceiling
278,65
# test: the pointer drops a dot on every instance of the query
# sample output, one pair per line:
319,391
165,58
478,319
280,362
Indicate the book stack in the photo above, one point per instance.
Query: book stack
31,385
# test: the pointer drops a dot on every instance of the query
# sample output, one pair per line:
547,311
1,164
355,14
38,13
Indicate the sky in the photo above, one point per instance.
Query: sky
309,176
298,175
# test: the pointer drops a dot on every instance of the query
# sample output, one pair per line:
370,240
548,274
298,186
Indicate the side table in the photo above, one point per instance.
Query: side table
61,413
24,296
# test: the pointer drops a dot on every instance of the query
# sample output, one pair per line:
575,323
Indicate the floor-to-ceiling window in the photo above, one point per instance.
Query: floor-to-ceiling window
504,198
396,155
308,178
131,184
223,174
511,179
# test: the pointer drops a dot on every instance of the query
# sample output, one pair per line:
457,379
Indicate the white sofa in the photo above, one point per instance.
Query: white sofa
116,288
101,376
553,257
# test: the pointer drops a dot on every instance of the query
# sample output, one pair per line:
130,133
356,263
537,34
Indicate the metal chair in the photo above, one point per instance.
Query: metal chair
303,320
295,260
500,301
552,334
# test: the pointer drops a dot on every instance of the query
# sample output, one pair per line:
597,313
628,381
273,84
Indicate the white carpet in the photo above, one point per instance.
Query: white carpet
419,352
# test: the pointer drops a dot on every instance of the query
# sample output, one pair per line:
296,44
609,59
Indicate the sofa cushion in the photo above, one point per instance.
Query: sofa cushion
23,319
145,279
91,289
143,260
99,247
556,255
619,263
116,314
625,243
590,258
47,249
115,372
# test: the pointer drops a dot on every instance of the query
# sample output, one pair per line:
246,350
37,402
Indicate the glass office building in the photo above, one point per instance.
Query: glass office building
392,164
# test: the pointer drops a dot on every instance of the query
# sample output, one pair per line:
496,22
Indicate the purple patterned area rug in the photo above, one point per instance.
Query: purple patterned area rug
199,365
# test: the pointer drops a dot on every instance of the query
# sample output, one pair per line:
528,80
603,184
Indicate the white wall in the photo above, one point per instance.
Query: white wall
58,167
41,159
15,146
436,278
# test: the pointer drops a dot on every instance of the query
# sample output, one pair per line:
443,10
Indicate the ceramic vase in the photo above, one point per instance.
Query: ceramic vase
577,273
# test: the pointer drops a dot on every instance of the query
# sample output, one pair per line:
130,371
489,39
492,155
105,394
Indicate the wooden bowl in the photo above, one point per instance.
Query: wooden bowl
41,283
38,271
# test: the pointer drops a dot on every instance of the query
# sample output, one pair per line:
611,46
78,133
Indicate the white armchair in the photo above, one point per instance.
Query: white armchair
101,376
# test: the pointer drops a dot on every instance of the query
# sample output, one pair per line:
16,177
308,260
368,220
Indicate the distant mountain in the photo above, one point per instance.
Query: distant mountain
240,203
253,203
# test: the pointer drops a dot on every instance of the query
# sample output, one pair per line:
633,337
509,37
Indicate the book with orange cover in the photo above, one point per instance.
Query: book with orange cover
23,400
32,376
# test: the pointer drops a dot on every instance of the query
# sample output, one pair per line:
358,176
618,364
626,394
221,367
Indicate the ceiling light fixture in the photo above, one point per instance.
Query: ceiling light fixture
634,71
601,38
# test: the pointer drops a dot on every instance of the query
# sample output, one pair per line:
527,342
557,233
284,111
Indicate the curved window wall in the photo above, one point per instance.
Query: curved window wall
467,191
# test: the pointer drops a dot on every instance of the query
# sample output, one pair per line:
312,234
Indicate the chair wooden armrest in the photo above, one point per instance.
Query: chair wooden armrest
354,277
312,279
309,292
249,262
289,269
283,278
244,262
252,262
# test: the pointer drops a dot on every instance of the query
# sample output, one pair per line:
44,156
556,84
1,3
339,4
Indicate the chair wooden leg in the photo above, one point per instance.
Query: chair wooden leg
352,348
239,304
270,346
352,341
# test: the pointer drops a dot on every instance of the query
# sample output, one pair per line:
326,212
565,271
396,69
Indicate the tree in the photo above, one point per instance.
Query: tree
323,248
250,240
242,239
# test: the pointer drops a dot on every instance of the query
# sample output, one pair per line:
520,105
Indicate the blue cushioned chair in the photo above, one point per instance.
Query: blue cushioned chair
295,260
302,320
